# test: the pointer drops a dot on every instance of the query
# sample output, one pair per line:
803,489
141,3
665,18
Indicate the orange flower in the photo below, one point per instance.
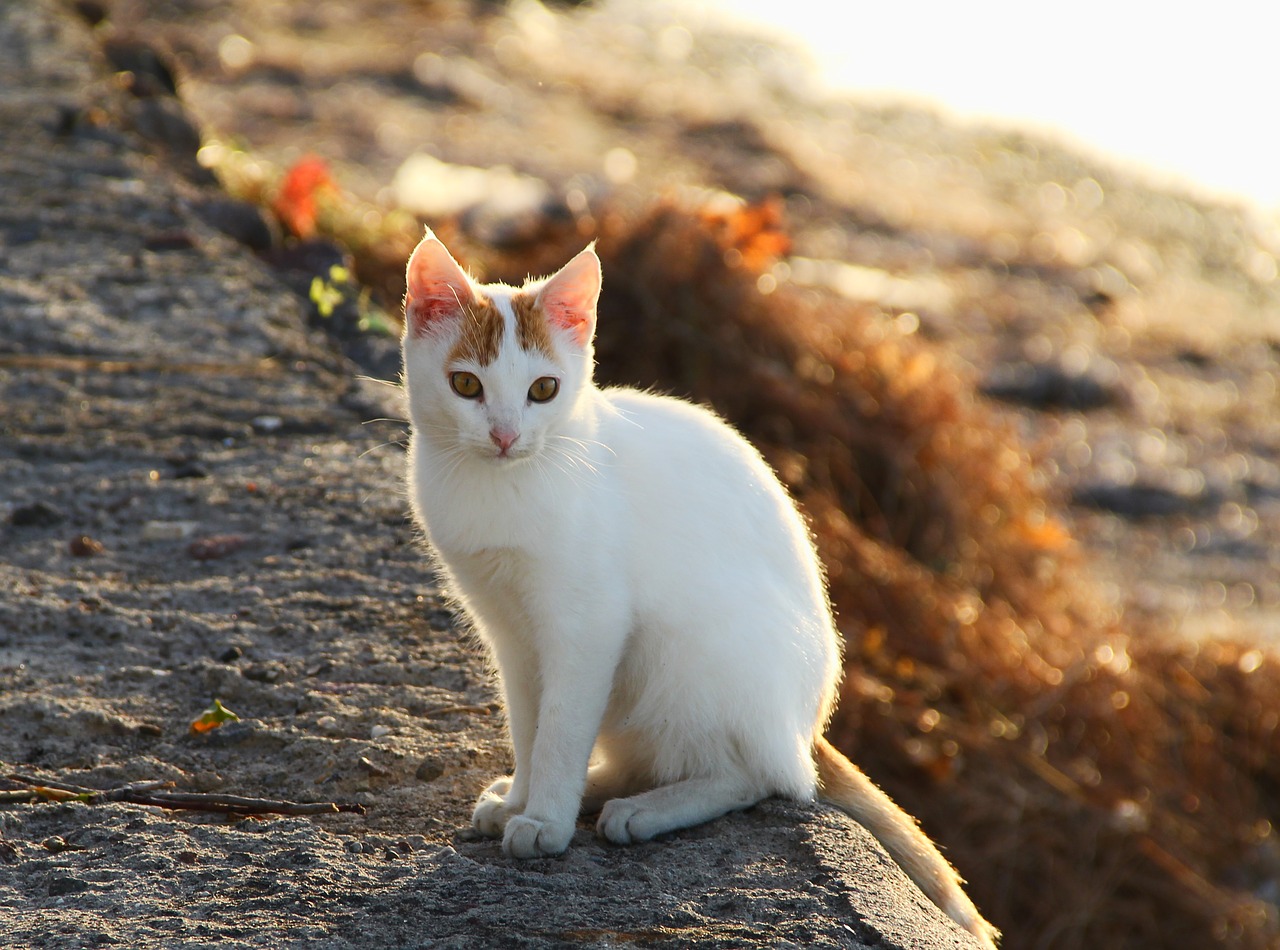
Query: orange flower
295,205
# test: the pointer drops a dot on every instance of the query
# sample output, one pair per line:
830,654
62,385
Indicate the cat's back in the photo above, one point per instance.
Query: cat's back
694,483
717,546
647,429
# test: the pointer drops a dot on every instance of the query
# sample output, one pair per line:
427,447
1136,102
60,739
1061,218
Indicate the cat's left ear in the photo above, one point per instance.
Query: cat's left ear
569,296
437,288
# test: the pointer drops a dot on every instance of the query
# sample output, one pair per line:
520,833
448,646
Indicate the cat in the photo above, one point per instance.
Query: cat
645,586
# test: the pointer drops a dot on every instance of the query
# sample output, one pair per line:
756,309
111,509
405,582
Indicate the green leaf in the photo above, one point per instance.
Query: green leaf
213,717
325,296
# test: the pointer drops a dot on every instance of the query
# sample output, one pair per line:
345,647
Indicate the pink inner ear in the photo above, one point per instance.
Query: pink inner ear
569,315
429,306
569,298
437,287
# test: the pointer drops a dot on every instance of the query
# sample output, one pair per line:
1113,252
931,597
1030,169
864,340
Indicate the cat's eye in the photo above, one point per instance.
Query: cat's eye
544,389
466,385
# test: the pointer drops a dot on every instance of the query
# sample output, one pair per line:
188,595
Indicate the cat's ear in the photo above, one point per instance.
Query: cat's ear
568,298
437,287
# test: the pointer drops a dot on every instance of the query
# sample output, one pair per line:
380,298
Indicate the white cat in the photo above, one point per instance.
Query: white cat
647,590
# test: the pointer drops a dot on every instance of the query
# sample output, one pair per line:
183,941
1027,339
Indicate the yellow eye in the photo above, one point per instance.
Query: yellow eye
544,389
466,385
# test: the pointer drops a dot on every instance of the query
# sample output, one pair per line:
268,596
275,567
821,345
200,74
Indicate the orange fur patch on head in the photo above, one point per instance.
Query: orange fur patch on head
481,337
532,331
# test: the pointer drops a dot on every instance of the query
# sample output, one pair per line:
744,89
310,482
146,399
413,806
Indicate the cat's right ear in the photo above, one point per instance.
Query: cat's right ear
569,296
437,288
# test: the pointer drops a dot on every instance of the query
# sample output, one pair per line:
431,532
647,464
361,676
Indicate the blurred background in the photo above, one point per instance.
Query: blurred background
994,288
1184,93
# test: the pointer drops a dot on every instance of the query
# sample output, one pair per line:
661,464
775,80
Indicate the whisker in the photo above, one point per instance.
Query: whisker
455,454
556,460
394,384
573,465
586,443
383,445
582,447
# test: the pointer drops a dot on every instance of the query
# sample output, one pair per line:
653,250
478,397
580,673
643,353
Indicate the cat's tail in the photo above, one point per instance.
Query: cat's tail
844,785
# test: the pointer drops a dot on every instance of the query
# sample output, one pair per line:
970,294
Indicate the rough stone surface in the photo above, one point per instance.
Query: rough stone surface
193,507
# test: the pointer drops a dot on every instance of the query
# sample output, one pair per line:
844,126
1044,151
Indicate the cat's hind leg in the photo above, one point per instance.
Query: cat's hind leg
679,805
605,781
492,810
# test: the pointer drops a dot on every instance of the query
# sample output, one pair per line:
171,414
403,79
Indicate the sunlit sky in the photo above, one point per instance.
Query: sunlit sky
1191,90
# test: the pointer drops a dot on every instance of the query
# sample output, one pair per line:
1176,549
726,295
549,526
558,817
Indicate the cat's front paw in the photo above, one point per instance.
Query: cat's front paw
494,809
533,838
622,821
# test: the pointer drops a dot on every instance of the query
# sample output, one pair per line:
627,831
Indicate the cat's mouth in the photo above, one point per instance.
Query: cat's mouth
507,456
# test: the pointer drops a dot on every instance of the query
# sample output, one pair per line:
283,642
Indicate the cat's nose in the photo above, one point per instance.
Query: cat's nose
503,438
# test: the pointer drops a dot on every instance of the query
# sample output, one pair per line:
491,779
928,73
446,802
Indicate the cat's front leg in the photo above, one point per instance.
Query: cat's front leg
507,795
577,678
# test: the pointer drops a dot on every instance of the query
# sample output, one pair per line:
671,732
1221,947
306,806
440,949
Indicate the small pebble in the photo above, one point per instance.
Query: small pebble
372,768
216,546
64,884
269,672
429,771
241,220
189,468
168,530
36,515
1140,499
1048,386
172,240
92,11
85,546
164,121
207,781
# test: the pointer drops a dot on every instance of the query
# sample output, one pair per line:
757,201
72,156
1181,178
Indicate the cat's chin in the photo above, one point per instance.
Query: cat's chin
486,454
507,459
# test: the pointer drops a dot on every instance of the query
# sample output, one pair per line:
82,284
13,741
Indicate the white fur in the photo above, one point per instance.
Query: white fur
647,590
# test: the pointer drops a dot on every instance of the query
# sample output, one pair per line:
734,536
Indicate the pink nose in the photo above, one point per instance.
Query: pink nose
503,439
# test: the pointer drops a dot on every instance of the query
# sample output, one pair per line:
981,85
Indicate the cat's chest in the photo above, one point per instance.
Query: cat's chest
457,532
491,570
473,517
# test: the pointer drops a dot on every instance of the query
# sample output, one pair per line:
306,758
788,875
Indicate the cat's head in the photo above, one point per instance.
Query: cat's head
494,371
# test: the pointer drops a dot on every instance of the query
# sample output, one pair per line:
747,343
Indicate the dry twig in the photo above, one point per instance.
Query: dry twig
151,793
94,364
